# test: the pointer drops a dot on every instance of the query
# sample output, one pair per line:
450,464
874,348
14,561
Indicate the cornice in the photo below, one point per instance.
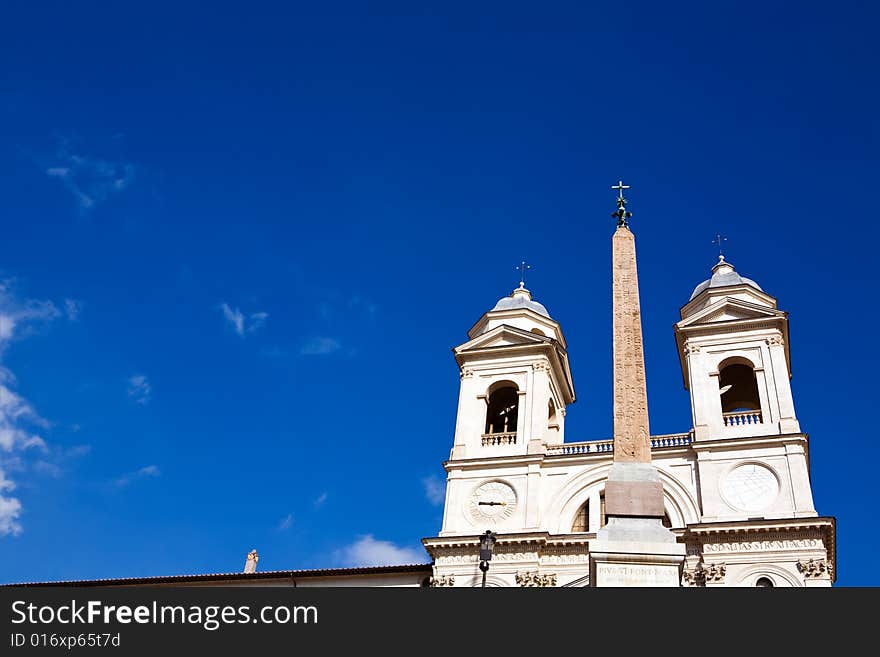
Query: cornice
769,531
747,441
552,349
479,462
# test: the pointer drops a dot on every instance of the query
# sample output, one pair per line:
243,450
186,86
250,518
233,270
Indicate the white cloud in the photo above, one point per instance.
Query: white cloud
18,419
367,551
435,490
18,317
241,323
10,510
320,500
91,180
139,389
320,346
286,522
143,473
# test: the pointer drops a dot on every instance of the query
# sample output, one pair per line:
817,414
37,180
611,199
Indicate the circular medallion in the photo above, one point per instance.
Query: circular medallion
491,502
750,487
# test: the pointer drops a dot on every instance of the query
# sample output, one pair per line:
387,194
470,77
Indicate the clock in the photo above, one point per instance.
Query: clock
750,487
492,502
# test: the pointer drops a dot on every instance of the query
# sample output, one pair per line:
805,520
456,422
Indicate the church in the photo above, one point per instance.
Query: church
727,502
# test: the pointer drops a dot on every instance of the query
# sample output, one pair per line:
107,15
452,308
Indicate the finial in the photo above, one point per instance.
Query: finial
522,273
719,238
622,214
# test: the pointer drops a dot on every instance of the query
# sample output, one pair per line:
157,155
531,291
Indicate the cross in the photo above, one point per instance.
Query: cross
522,272
622,214
719,238
620,187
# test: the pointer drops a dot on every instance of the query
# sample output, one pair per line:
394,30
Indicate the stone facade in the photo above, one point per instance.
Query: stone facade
736,486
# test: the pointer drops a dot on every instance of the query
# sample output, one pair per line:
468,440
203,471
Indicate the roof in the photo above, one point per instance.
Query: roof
723,275
521,298
237,577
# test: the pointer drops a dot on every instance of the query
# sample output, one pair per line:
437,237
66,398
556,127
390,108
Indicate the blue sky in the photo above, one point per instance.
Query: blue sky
230,233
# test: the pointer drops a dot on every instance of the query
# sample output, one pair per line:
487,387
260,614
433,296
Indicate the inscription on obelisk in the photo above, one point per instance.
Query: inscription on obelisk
632,441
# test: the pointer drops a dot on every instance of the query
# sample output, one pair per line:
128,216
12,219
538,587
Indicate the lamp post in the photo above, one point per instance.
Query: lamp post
487,542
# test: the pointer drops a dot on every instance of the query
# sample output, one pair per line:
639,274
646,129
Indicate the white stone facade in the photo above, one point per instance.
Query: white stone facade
736,485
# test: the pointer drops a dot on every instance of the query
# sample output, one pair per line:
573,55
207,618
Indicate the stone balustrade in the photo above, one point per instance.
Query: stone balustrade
742,418
607,446
499,439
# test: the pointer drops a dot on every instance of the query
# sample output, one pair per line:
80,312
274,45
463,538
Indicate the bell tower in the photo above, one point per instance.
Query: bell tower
515,381
733,345
752,458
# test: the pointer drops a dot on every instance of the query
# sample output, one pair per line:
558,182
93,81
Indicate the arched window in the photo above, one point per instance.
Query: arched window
739,388
503,409
582,519
764,582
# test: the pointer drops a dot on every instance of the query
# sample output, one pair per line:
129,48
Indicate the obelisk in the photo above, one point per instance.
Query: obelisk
633,548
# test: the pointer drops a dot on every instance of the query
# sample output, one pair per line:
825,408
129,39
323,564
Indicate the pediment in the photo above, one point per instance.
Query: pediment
730,309
503,336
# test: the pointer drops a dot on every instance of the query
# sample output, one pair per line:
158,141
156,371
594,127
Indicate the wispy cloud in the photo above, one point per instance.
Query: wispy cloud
368,551
435,490
19,317
57,459
72,308
147,472
320,501
139,389
286,522
91,180
243,324
320,346
19,421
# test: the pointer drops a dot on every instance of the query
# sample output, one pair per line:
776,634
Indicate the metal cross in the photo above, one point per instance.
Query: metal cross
622,213
620,187
719,238
522,272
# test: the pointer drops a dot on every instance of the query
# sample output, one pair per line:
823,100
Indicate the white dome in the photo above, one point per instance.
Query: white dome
723,275
521,298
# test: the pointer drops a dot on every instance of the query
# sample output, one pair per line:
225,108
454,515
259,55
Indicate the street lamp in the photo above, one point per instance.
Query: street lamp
487,542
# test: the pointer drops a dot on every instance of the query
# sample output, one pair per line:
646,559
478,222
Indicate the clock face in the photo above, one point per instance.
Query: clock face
491,502
750,487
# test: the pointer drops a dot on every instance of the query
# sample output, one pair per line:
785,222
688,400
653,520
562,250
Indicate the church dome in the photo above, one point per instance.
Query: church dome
723,275
521,298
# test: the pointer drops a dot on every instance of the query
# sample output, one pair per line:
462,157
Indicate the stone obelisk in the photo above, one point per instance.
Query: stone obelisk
633,548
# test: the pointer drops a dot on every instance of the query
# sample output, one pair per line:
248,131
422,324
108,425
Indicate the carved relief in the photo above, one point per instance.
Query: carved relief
443,580
702,573
536,579
541,366
775,339
694,576
466,373
814,568
715,572
691,349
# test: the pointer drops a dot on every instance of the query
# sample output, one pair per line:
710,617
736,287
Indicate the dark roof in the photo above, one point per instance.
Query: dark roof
237,577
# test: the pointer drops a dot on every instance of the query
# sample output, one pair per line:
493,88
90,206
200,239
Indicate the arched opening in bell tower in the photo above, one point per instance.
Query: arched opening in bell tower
503,409
739,387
